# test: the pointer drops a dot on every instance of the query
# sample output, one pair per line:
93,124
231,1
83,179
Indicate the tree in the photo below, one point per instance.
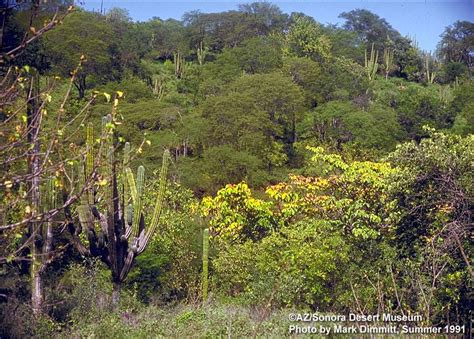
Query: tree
259,55
83,36
307,74
435,196
34,164
217,30
221,165
345,43
281,100
229,29
268,16
343,124
306,38
236,119
457,43
370,28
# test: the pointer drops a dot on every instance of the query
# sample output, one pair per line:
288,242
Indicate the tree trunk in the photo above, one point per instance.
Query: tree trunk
116,294
36,288
34,122
80,84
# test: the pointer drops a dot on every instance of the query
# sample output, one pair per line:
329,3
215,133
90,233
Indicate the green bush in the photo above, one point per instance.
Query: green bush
294,266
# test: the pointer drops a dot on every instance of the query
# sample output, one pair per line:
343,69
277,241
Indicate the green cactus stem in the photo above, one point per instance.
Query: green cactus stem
123,233
387,61
429,75
371,64
205,264
201,54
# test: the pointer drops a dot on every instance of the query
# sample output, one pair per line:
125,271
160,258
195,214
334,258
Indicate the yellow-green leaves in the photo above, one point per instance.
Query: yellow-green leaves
235,214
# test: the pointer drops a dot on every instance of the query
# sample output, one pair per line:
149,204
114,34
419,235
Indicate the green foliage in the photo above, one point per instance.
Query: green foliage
370,28
452,71
437,176
340,123
292,266
307,74
215,320
170,268
416,105
133,88
282,102
229,29
237,216
435,196
237,97
259,55
82,34
306,38
341,79
456,43
220,165
371,63
219,73
345,43
464,121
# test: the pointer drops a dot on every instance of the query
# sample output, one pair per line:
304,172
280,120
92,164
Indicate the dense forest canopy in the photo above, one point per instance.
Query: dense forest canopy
229,167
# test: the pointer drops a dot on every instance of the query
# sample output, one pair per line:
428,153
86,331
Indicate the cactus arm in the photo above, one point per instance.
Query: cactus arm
127,265
81,182
85,217
138,203
110,200
159,203
131,184
371,64
128,220
124,181
388,61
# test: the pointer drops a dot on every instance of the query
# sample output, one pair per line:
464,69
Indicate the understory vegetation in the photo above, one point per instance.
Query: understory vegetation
210,176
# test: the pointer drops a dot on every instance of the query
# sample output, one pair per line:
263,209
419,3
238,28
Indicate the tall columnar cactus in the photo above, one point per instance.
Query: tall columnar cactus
387,61
205,263
118,233
429,75
201,54
371,64
179,65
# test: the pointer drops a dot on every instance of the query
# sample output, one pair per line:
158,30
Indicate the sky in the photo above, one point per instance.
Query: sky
422,20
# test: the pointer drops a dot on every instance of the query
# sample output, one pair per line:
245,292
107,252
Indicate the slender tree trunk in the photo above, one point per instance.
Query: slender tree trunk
34,121
80,84
116,293
36,289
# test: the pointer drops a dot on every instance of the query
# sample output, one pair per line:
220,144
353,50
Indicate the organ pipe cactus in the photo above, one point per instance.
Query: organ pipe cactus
371,64
116,227
179,65
429,75
387,61
205,263
201,54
